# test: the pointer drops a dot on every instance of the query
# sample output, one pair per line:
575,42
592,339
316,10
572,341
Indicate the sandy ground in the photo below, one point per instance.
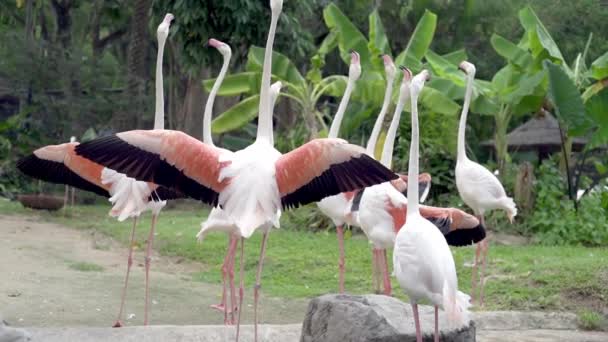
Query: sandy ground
40,287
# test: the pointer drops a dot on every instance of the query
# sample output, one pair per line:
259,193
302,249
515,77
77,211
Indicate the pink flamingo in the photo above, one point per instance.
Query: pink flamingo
60,164
252,185
422,260
477,186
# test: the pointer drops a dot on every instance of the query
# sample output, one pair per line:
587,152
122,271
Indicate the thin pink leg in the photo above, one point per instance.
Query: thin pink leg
118,324
148,259
387,278
436,323
258,285
375,270
485,245
417,322
222,305
340,234
241,289
233,247
474,270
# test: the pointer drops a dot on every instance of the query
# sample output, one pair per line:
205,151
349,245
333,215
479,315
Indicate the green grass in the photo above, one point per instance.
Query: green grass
301,264
85,267
591,320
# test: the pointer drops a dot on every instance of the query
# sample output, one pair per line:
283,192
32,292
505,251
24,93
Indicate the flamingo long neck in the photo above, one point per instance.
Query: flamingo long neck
412,173
207,138
373,138
389,142
264,122
462,126
335,124
159,110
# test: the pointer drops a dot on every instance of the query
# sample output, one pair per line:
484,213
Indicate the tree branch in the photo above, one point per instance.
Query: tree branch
103,42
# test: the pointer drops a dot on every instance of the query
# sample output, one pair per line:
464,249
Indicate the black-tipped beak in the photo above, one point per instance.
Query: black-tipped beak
351,51
380,55
206,44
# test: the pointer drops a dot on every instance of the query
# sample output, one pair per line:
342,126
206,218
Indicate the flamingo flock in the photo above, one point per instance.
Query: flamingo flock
140,170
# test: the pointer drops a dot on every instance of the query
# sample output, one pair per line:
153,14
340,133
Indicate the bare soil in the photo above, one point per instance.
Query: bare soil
53,276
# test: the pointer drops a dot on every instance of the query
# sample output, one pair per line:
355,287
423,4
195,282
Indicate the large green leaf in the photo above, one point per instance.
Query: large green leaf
378,43
525,85
567,100
444,68
455,57
599,67
419,41
282,67
538,37
511,52
349,37
438,102
446,87
597,109
236,116
235,84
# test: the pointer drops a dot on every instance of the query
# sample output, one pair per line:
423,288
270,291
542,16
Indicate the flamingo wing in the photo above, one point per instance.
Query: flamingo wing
458,227
165,157
326,167
465,237
54,171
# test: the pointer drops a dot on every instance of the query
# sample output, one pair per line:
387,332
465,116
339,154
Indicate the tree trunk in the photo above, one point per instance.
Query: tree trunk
136,68
194,103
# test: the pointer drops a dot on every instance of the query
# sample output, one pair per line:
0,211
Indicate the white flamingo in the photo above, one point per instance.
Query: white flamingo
129,197
422,260
337,207
252,185
477,186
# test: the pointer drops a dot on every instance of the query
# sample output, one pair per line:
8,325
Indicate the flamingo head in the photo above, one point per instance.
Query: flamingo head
389,67
222,47
275,90
405,83
419,80
163,29
276,6
467,67
354,71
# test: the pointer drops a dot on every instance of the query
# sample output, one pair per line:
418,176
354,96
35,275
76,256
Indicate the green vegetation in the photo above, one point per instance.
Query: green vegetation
303,264
85,267
591,320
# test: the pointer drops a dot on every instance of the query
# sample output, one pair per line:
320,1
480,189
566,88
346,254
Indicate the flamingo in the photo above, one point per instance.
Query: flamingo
251,185
336,207
422,260
477,186
60,164
382,207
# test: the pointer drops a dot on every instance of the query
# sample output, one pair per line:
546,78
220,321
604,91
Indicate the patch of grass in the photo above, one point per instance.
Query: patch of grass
302,264
85,267
591,320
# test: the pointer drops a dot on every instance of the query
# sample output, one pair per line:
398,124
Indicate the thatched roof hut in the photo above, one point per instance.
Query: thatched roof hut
540,134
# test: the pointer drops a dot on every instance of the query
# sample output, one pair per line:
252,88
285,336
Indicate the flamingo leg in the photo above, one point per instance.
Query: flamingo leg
233,247
436,323
387,279
148,260
241,289
258,285
474,270
485,245
417,322
118,324
377,271
374,271
222,305
340,233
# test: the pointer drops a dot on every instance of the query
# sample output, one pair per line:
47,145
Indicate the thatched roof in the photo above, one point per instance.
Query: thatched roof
541,133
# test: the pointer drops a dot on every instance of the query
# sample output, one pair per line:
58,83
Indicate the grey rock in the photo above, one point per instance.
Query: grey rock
373,318
10,334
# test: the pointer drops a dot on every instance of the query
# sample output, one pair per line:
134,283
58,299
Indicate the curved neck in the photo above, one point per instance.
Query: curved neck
462,126
207,138
335,124
389,142
159,110
264,123
412,173
373,138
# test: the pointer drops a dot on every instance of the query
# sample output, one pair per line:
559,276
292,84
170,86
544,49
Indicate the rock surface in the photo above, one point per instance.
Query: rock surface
373,318
10,334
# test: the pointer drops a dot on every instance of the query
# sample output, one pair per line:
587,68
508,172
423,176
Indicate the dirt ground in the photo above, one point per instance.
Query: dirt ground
44,282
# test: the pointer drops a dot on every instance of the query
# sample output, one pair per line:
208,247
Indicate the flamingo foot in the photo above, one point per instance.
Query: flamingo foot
118,324
221,308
